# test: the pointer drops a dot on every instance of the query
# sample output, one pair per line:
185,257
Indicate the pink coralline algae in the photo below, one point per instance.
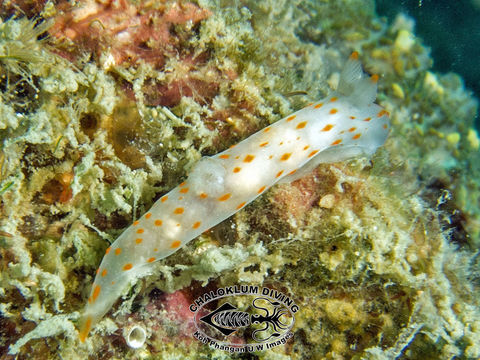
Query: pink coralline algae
129,32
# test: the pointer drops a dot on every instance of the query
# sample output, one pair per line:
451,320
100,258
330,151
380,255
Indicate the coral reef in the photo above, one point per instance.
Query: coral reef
106,105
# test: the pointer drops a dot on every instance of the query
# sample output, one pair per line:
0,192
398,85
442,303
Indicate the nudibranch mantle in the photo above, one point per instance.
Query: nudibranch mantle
345,124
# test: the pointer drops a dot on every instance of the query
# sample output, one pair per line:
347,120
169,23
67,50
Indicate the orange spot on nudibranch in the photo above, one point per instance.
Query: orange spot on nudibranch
367,119
312,153
327,127
196,225
182,184
96,292
224,156
138,241
237,169
179,210
352,129
306,147
158,222
203,196
352,117
318,106
356,136
279,173
136,222
175,244
267,129
184,190
264,144
333,111
301,125
85,329
382,112
97,271
290,118
224,197
336,142
354,55
385,126
248,158
285,156
241,205
104,272
261,189
333,99
118,251
148,215
108,250
155,250
163,199
292,172
140,231
150,260
127,266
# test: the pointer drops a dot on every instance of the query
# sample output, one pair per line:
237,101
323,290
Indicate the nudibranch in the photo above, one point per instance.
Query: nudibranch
345,124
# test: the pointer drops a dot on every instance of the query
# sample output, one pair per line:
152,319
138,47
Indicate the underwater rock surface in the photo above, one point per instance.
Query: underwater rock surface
105,106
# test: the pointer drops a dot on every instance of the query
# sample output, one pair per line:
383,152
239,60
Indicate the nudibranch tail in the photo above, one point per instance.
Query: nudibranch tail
345,124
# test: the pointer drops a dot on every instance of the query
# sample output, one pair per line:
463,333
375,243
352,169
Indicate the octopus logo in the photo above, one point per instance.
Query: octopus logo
265,321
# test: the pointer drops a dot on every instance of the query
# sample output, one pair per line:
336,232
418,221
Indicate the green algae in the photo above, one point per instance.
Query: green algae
386,270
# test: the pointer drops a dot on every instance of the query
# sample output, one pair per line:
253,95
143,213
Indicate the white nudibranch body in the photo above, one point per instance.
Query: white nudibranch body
343,125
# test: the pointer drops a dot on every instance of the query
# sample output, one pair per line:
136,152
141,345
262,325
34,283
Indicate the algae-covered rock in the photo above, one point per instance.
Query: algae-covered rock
107,105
